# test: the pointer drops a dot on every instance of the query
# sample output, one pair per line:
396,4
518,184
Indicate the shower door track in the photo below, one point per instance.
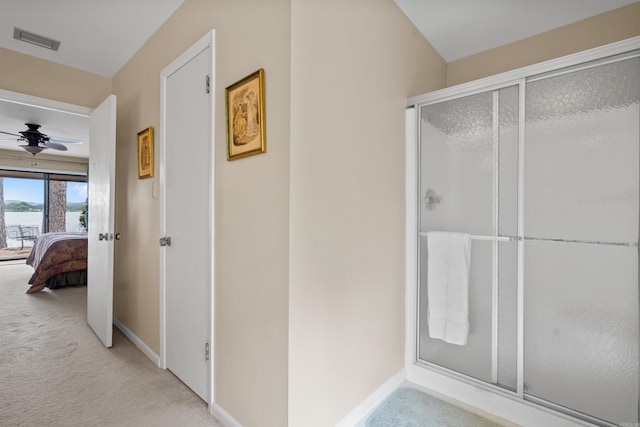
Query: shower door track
526,399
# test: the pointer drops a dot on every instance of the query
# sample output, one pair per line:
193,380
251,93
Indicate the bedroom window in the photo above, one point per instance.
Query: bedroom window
32,203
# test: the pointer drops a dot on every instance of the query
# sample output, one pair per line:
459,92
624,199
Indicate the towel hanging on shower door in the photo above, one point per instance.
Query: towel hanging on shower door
448,264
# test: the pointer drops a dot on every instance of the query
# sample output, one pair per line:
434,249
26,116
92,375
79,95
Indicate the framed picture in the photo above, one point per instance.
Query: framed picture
246,130
145,153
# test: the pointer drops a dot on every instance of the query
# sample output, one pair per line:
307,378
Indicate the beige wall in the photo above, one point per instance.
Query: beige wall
252,203
599,30
353,66
33,76
36,77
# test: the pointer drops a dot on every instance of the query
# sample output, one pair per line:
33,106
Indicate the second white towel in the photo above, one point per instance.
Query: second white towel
449,263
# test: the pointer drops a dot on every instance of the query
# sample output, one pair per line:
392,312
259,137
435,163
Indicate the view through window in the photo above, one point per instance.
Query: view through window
35,203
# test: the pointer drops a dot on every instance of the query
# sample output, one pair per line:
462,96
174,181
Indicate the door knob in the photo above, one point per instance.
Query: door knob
102,237
117,236
165,241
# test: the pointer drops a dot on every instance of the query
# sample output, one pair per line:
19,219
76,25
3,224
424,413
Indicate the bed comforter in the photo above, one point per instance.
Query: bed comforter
54,254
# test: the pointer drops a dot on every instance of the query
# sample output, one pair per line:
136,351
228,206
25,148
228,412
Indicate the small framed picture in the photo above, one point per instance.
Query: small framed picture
246,130
145,153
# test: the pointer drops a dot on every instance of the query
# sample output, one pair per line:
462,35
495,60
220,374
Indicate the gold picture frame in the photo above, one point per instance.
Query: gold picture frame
145,153
246,120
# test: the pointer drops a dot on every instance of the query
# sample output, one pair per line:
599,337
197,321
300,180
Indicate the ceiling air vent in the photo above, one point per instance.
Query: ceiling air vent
41,41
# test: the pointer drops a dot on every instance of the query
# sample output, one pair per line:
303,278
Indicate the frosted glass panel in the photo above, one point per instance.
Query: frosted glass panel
456,165
581,157
469,164
507,224
581,327
507,314
507,168
581,184
473,359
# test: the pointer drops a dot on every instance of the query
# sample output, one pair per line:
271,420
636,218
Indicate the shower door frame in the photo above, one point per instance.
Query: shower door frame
482,395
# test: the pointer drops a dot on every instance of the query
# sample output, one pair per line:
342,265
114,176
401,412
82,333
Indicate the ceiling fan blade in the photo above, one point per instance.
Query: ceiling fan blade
12,134
54,145
64,140
9,139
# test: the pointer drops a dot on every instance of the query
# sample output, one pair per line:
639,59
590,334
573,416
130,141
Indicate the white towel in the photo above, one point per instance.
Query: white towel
449,262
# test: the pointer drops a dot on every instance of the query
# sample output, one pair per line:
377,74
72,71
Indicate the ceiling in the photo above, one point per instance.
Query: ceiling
459,28
100,36
13,117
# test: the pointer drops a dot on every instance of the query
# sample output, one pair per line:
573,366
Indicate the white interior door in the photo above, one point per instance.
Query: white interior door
102,161
187,183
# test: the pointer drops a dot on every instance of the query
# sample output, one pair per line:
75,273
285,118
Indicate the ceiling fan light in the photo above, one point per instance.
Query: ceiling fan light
33,149
35,39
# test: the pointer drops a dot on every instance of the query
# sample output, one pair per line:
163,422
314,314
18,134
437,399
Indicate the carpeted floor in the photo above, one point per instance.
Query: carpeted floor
55,372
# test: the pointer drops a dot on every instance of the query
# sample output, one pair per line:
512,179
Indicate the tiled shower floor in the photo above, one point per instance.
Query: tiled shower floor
408,407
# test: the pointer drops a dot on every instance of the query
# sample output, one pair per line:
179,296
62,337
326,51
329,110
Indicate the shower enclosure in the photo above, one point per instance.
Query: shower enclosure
543,172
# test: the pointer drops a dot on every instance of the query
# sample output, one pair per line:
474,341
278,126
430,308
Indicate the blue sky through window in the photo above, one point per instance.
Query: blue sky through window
32,190
76,192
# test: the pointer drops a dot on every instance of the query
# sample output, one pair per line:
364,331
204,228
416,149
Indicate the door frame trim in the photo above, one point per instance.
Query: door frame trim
208,41
46,103
86,113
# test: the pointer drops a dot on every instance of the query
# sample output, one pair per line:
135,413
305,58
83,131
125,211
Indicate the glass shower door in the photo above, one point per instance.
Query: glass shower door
581,240
468,183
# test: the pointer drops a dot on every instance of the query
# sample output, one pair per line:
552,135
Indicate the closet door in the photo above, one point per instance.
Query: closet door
581,240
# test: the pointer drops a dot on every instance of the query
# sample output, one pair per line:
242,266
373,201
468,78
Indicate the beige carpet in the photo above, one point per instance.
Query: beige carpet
55,372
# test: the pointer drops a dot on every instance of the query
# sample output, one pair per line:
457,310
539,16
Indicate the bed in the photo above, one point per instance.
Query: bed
59,260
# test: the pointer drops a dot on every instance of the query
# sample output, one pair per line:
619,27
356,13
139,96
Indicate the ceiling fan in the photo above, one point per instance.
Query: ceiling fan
37,141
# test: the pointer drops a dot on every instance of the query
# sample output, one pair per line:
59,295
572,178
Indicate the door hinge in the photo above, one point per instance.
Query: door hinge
208,84
206,352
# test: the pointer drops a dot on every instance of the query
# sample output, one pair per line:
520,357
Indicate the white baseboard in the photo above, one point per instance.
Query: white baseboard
358,415
223,416
137,342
